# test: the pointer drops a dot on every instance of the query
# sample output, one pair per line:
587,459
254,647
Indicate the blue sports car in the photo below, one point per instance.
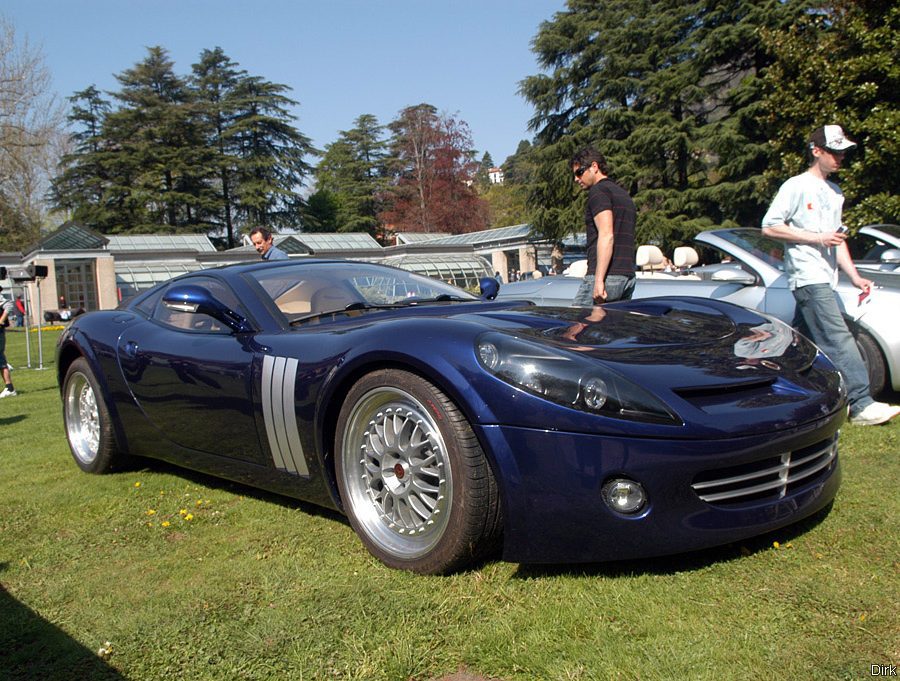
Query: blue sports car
447,426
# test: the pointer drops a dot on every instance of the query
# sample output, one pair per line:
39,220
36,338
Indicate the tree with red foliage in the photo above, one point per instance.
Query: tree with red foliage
433,175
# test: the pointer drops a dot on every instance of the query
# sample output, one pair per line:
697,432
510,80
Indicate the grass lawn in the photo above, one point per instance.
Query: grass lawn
179,576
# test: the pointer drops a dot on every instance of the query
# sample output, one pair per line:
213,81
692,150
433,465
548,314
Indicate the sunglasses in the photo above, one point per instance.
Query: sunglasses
580,171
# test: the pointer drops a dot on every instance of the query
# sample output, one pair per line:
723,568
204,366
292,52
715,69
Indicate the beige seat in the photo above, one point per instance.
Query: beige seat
576,269
684,258
332,299
650,261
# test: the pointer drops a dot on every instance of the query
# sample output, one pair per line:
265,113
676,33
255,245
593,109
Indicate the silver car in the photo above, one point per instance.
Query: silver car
744,267
876,247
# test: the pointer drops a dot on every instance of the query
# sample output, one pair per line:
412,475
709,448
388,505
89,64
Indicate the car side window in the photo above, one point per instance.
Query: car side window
195,322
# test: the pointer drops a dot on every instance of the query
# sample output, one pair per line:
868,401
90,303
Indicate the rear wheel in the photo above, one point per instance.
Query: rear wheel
873,359
87,421
413,479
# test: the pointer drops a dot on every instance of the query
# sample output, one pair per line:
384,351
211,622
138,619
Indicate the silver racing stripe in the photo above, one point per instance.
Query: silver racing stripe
279,376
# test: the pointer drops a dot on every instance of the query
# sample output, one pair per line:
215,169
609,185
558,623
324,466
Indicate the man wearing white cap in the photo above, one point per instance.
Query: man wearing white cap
806,213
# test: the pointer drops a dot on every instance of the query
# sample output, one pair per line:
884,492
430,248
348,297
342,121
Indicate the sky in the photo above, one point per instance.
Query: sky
341,58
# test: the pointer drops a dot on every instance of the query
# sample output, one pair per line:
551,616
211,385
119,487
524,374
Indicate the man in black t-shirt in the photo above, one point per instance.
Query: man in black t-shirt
609,222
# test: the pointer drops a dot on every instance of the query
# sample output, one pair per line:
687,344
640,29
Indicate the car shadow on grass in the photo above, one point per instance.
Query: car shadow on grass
224,484
663,565
684,562
34,648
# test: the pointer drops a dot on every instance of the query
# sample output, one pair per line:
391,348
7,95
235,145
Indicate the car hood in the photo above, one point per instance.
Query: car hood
707,360
710,342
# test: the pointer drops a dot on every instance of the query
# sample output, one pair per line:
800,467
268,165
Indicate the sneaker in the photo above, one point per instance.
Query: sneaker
875,414
8,393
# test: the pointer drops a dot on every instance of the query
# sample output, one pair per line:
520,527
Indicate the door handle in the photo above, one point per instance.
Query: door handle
131,349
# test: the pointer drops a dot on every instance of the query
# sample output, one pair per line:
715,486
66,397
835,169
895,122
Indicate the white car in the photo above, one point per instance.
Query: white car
744,267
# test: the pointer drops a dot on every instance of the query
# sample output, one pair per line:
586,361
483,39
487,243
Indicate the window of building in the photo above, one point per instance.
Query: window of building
76,284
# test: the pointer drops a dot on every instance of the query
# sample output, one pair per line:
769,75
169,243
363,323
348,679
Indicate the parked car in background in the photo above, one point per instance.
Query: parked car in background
876,247
447,426
746,268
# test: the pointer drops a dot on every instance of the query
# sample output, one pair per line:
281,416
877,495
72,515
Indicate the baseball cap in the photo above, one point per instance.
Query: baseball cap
831,137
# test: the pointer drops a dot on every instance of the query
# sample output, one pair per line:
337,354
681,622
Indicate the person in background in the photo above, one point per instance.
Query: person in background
265,246
20,308
6,310
609,220
806,214
556,258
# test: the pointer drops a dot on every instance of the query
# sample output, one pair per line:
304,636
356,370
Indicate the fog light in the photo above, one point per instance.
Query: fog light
624,496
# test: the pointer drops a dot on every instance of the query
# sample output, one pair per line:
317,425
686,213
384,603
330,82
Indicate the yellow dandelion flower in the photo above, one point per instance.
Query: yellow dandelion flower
776,544
182,512
150,511
137,484
199,503
165,523
189,516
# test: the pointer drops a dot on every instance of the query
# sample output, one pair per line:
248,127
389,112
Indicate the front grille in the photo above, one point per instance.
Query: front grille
769,478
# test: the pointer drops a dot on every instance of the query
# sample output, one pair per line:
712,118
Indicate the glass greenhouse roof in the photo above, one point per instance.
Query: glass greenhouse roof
71,237
160,242
338,241
487,236
460,270
419,237
132,278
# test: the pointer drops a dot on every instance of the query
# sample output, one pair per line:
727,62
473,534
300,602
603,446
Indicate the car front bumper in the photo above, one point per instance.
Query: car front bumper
554,512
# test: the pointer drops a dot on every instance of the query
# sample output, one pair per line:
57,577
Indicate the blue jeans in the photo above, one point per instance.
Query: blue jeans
618,287
819,317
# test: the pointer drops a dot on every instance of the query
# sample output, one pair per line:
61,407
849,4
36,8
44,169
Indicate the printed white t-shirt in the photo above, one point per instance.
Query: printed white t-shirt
815,205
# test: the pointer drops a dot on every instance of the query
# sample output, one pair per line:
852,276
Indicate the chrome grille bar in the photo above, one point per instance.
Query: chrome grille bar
775,478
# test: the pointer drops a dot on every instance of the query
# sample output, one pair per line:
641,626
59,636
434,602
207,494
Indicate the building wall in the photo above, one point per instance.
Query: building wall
107,295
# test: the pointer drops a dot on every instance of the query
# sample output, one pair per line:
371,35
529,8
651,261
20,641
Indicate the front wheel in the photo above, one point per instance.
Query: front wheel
414,481
87,421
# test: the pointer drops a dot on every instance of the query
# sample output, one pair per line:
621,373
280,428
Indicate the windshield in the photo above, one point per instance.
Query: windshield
310,289
753,242
890,230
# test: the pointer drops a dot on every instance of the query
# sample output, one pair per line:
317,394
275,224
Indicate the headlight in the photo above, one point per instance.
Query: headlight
568,379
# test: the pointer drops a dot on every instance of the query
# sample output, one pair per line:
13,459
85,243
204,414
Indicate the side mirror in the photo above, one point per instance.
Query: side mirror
489,287
891,256
197,300
733,275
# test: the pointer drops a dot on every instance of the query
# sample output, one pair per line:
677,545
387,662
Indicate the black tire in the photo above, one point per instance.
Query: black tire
87,421
873,360
413,478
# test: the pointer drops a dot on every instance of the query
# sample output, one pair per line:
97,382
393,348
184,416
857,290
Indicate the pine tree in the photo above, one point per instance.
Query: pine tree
271,165
353,170
81,186
214,83
160,163
215,152
668,91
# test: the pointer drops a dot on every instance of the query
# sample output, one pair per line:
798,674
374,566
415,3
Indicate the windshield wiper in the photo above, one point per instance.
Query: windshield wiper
359,305
442,298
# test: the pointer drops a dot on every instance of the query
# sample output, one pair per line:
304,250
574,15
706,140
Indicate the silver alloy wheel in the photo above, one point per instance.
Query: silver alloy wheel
397,472
82,418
